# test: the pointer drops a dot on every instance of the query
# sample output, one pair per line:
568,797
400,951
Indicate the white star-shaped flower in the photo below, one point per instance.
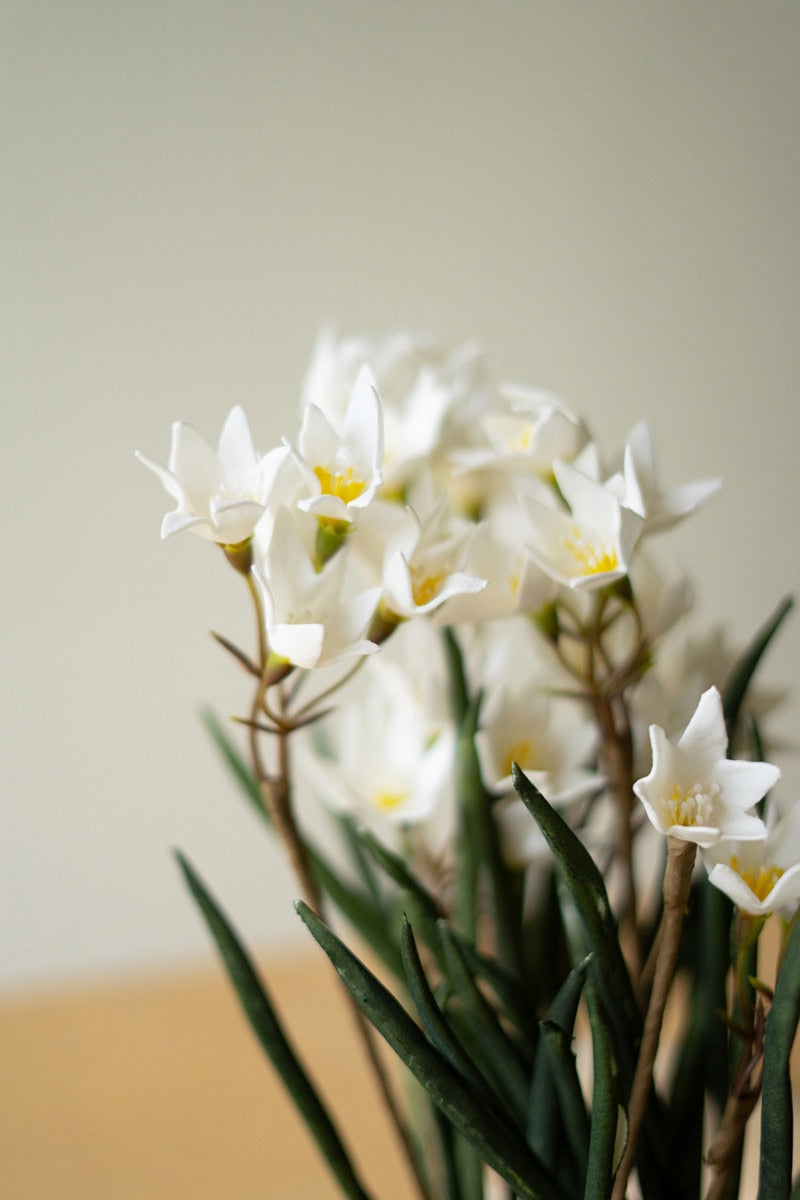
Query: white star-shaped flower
313,618
590,545
694,792
221,494
761,877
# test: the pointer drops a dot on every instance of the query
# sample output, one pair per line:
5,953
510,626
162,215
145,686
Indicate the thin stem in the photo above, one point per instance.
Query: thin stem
677,885
276,794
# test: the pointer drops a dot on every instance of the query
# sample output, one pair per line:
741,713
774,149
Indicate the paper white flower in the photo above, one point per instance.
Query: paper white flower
391,761
641,492
422,569
221,494
591,545
549,741
526,436
693,791
341,467
761,877
313,618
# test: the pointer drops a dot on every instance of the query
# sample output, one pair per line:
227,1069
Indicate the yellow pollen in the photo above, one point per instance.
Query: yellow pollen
513,584
386,801
425,588
523,753
343,484
592,558
761,880
522,443
691,806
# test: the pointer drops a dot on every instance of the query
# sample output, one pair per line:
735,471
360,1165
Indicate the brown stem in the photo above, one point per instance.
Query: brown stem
677,884
276,794
617,755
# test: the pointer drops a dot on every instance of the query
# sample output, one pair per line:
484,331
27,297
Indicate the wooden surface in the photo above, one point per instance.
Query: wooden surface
156,1090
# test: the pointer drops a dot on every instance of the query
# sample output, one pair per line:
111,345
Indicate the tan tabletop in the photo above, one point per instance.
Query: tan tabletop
157,1090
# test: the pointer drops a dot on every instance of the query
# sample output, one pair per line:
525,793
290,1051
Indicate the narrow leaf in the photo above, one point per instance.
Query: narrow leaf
739,679
490,1044
588,892
435,1023
498,1147
267,1028
605,1144
776,1114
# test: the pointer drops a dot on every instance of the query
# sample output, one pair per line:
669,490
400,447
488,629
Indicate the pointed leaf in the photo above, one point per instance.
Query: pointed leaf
740,677
605,1144
435,1023
588,892
267,1028
503,1151
776,1114
490,1045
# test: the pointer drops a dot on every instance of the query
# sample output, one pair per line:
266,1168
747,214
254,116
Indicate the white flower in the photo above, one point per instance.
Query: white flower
341,467
422,569
312,617
525,437
641,492
549,741
391,759
693,791
221,495
761,877
591,545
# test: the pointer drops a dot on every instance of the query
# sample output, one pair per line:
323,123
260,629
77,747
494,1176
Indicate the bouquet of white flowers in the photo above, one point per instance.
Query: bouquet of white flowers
469,651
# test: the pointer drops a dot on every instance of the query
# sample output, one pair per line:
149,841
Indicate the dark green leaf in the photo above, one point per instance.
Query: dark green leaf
607,1110
738,681
435,1023
586,887
267,1028
546,1118
498,1147
776,1114
489,1044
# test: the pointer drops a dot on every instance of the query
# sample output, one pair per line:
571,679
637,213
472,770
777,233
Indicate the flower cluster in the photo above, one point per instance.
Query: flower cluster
466,629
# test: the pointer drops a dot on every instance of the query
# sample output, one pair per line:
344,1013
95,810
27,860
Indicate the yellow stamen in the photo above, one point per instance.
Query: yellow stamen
691,806
386,801
523,753
343,484
425,587
761,880
592,558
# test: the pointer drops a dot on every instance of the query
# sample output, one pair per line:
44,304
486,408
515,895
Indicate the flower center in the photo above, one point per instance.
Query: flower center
386,801
425,588
523,753
342,484
761,880
593,556
693,805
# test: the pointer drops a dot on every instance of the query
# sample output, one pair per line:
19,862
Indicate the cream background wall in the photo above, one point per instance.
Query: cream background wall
607,195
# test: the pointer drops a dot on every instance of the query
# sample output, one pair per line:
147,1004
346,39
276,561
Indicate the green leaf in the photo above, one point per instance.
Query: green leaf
499,1147
490,1045
546,1118
776,1114
435,1023
267,1028
605,1148
740,677
586,887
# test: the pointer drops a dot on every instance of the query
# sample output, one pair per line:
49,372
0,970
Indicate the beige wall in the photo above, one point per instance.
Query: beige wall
606,194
